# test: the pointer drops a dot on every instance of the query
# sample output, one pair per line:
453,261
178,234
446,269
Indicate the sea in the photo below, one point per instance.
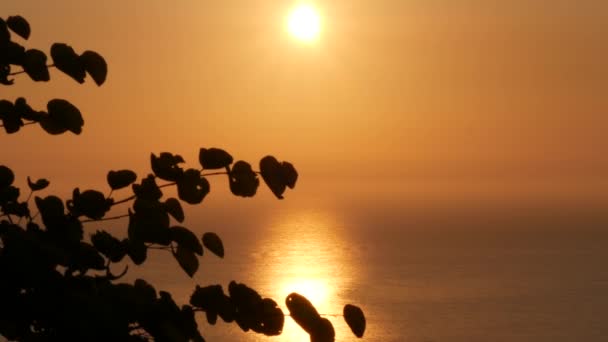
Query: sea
427,271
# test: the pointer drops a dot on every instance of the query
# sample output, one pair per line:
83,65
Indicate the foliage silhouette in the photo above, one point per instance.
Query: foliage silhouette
58,284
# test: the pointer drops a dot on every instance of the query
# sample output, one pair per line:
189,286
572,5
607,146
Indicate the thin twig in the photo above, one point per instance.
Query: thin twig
106,218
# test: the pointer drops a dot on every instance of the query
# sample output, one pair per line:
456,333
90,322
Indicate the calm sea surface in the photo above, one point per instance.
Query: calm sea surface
419,276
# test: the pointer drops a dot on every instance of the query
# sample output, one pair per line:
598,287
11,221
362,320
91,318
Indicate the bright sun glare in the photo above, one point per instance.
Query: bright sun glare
304,23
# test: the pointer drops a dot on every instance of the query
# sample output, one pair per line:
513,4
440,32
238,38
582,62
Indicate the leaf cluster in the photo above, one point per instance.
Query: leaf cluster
57,280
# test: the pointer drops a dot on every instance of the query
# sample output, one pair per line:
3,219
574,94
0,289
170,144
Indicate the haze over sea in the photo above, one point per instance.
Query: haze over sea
459,271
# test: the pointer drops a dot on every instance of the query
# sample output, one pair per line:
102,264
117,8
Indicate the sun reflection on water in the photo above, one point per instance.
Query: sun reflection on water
312,261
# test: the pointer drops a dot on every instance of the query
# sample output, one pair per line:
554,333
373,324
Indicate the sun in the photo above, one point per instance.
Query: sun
304,23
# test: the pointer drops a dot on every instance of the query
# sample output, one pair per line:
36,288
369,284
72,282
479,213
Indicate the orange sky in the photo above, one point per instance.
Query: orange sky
414,91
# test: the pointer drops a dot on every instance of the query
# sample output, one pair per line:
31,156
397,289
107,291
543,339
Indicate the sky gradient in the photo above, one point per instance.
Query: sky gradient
463,97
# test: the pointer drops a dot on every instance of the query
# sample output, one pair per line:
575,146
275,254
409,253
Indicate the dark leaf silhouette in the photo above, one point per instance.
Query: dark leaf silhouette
95,65
277,175
66,60
213,243
214,158
109,246
19,25
165,166
87,258
34,64
243,181
7,177
10,118
136,250
354,317
26,112
51,209
303,312
324,332
148,189
185,238
149,223
64,115
174,208
192,187
5,36
90,203
38,185
121,179
186,259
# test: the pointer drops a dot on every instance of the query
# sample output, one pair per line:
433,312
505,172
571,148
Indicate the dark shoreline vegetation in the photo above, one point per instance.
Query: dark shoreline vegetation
60,284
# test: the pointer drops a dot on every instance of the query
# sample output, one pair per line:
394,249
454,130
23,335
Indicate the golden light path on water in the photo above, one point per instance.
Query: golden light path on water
313,262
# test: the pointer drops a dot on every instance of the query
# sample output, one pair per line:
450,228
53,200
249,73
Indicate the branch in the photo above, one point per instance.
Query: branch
106,218
23,71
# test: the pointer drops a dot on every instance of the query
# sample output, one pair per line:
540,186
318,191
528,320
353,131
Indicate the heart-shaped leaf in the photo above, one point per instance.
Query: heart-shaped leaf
277,175
66,60
19,25
136,250
187,260
214,158
121,179
34,64
38,185
354,317
95,65
213,243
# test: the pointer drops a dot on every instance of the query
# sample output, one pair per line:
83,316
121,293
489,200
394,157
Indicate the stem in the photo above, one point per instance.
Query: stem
23,71
106,218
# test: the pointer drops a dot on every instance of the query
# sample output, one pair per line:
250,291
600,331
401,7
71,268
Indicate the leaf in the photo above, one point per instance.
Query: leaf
19,25
243,181
38,185
214,158
7,177
149,223
213,243
91,203
187,260
10,118
5,35
290,174
136,250
108,245
148,189
95,66
34,64
174,208
26,112
185,238
87,257
354,317
51,209
272,173
323,332
165,166
121,179
12,53
65,115
192,187
66,60
303,312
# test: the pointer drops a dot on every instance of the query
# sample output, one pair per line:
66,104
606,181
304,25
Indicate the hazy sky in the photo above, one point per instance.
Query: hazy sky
413,91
